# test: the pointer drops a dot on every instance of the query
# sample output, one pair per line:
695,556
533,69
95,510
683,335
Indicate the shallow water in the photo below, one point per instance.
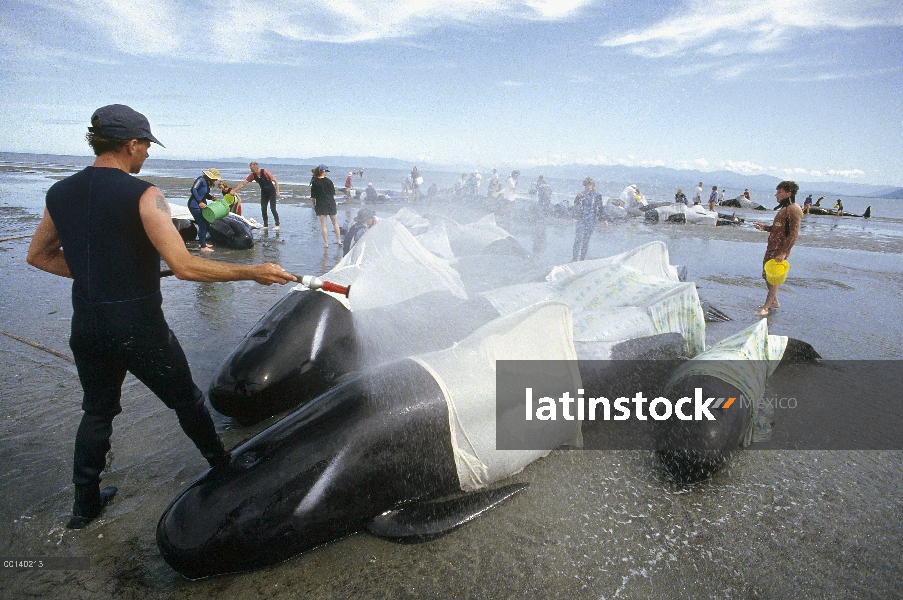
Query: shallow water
591,524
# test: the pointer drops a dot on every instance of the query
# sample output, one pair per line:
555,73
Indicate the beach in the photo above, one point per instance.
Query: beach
592,524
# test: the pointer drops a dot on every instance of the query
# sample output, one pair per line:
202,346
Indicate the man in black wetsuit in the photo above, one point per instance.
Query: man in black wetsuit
269,191
107,231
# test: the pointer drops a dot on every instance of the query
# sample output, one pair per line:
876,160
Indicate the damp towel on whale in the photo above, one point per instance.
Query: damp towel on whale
744,360
466,373
633,294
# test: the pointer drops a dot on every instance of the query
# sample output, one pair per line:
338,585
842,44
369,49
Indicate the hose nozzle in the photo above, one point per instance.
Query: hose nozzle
315,283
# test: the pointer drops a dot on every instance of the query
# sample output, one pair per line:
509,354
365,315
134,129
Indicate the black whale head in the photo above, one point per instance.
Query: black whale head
320,474
231,231
691,451
297,351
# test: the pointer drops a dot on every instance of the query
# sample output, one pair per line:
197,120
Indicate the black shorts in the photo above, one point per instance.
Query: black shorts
325,206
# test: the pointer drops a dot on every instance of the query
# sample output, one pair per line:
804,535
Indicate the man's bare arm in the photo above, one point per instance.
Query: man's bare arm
45,251
157,220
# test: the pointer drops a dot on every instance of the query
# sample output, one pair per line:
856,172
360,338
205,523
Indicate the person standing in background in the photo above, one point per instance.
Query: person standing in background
494,184
782,234
680,197
322,195
588,206
713,198
269,192
510,191
348,185
697,199
839,206
416,180
543,192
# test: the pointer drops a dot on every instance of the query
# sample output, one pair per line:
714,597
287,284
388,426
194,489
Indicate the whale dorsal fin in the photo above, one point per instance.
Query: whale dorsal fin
423,521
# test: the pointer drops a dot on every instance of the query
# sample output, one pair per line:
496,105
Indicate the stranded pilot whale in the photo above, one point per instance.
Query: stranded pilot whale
383,441
231,231
405,450
320,474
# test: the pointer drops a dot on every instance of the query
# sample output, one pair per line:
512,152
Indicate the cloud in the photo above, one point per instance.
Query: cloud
730,27
129,26
510,83
271,30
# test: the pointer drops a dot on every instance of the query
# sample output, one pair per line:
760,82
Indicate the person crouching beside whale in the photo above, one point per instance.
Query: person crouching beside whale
782,235
235,205
118,324
197,201
364,220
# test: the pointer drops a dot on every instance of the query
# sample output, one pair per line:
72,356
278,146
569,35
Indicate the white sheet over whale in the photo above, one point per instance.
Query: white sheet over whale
745,360
466,373
623,297
696,214
388,265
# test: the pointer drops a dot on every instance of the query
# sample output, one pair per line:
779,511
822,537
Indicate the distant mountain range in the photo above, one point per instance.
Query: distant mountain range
639,175
895,193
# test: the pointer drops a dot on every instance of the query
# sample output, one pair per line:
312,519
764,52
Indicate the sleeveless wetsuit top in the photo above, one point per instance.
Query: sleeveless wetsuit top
267,187
111,259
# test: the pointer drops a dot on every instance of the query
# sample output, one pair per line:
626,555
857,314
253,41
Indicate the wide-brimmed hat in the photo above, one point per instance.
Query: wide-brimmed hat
121,122
364,214
212,173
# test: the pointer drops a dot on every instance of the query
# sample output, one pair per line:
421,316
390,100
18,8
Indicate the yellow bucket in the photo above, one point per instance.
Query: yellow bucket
776,272
215,210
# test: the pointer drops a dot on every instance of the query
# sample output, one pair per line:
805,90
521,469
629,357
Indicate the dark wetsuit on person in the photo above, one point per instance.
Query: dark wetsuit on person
322,190
117,321
354,233
267,194
200,192
588,207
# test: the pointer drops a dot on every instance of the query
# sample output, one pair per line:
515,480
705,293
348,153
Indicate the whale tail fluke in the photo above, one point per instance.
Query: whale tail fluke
713,314
424,521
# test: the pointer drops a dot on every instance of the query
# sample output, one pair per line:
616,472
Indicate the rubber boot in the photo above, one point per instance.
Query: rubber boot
218,459
90,500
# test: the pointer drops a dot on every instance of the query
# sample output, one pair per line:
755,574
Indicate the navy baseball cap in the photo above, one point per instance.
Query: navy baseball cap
323,168
121,122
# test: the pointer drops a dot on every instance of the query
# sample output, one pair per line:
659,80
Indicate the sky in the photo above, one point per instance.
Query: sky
804,89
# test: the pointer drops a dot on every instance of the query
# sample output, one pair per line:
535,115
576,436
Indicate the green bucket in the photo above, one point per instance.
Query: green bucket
229,199
215,210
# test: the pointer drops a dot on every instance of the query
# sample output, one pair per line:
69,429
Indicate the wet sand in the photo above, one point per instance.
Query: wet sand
592,524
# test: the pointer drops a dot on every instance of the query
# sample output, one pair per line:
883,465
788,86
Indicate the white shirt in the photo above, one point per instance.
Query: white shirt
510,188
